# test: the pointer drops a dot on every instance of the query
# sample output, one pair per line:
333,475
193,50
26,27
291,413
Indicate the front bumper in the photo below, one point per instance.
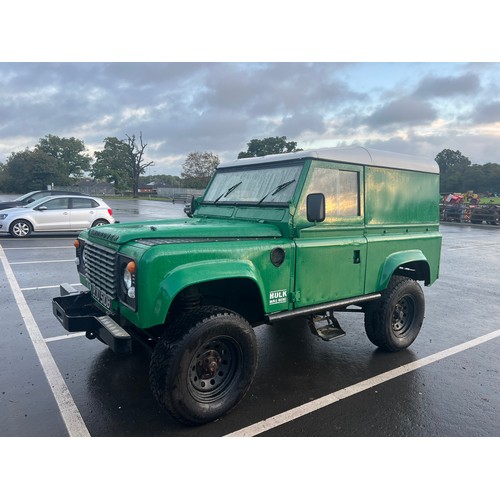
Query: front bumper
77,311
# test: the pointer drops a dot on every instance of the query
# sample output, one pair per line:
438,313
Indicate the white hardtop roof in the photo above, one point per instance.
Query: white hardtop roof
358,155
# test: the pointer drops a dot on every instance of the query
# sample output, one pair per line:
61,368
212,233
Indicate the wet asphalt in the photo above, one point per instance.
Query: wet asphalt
445,385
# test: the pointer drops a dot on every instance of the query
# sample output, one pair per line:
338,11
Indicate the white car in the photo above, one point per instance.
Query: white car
55,213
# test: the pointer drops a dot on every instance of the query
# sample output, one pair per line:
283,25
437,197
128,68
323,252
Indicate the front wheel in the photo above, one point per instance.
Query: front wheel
394,321
20,229
204,365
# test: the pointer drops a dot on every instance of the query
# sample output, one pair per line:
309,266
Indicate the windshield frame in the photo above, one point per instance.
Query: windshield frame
262,197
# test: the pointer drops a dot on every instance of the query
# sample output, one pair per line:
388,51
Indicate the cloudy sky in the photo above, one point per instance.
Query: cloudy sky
193,104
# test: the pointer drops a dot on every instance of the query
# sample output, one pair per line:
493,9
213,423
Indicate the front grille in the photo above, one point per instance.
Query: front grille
100,267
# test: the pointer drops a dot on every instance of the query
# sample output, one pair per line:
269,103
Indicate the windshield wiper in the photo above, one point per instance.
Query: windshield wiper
276,190
228,192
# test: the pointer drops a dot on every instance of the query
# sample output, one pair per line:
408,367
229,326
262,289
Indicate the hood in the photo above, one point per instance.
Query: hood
184,228
9,204
4,206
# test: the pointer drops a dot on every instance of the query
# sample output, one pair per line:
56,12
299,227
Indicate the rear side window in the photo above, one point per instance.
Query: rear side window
84,203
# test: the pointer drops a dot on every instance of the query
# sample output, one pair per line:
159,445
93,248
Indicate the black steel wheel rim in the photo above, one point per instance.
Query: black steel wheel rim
214,369
403,316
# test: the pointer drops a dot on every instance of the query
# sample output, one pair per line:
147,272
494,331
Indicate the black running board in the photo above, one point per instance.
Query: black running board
308,310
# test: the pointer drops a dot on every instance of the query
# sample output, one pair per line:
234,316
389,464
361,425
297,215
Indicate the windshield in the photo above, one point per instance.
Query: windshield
259,185
25,197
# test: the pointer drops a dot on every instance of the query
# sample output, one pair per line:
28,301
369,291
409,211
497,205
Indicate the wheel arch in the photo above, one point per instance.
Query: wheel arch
410,263
234,285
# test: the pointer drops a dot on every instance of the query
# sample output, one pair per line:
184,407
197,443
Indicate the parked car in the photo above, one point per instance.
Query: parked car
55,213
32,196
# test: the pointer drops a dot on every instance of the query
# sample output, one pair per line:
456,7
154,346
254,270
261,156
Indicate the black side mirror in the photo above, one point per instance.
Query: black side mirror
315,203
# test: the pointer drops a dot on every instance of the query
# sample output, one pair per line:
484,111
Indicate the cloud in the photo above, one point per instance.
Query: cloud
487,113
429,87
220,107
403,111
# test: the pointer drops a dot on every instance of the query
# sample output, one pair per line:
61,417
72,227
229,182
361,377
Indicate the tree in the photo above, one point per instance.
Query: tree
198,168
112,164
121,162
3,176
31,170
269,146
451,160
138,164
69,154
453,166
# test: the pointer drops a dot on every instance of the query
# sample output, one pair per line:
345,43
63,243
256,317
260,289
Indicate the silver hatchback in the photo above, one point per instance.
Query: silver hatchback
54,214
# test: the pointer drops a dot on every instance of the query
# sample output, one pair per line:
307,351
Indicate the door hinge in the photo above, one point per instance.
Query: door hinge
295,296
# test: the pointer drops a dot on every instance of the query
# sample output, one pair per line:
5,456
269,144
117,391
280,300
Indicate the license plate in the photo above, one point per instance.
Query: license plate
101,296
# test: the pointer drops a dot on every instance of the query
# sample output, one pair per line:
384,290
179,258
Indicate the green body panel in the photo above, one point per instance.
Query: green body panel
330,265
377,221
401,197
166,265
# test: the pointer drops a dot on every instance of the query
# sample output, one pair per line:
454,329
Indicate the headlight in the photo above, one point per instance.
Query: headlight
127,290
80,256
3,216
129,279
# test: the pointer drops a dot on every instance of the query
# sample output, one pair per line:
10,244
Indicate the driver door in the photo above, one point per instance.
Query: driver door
54,216
331,255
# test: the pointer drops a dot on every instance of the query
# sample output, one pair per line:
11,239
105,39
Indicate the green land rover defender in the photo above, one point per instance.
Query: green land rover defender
274,237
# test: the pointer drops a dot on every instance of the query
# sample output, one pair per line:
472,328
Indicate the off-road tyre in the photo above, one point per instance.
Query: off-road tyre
203,365
393,322
20,228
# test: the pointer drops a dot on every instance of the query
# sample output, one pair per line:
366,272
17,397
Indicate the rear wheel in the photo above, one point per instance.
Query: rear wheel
394,321
100,222
20,229
204,365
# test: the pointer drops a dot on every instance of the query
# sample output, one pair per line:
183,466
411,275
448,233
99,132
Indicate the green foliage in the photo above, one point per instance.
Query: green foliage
459,175
69,154
54,160
121,162
32,170
114,164
198,168
268,146
449,160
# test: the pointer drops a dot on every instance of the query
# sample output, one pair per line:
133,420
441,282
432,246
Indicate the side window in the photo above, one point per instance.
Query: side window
56,204
83,203
341,189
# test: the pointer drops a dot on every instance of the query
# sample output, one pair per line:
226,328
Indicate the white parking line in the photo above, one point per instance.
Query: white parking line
64,337
69,412
40,262
46,286
335,397
67,247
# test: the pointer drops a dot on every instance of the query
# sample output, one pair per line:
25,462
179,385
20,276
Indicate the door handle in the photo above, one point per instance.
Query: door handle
357,257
